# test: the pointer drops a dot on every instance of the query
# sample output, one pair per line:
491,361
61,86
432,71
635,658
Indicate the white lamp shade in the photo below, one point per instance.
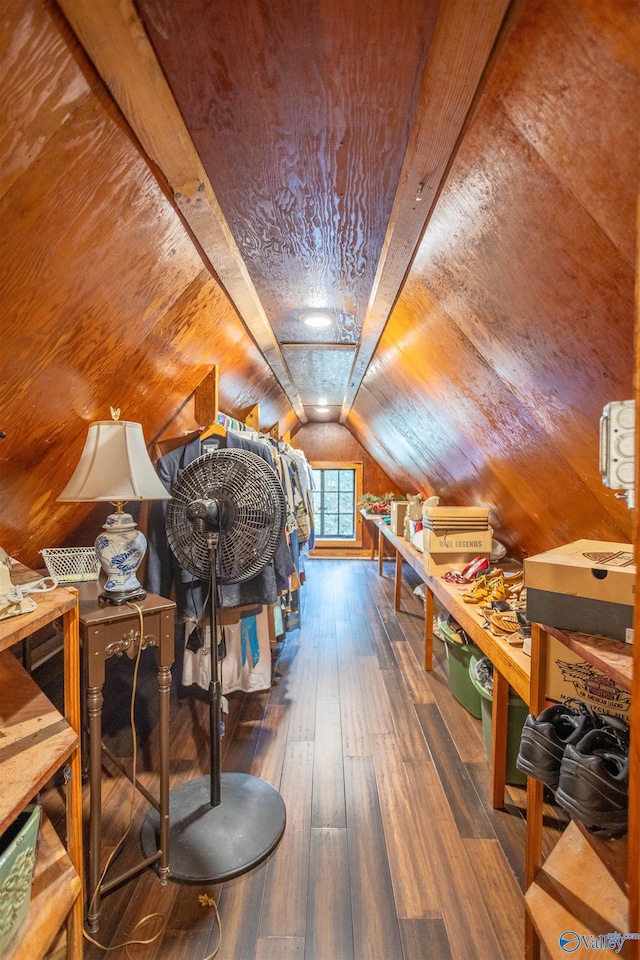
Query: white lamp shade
114,466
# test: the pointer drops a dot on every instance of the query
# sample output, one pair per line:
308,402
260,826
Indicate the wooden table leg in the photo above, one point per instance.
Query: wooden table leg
164,659
428,629
398,583
94,703
380,551
499,732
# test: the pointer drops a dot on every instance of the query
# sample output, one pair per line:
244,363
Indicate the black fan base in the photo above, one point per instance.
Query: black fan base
212,844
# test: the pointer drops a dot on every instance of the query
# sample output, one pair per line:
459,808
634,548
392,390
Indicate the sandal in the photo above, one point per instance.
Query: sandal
479,591
477,566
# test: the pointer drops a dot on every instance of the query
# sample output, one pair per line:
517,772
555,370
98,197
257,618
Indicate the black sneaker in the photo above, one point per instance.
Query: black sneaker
545,737
594,781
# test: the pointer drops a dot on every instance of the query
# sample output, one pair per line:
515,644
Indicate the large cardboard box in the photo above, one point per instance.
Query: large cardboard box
398,512
472,543
587,586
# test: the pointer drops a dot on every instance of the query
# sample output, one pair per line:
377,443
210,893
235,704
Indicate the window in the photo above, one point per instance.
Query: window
337,490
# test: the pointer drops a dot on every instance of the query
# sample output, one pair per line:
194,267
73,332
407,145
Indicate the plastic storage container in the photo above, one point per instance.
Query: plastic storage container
17,862
481,676
459,649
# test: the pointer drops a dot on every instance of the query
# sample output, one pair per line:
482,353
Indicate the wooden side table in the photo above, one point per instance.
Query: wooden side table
107,631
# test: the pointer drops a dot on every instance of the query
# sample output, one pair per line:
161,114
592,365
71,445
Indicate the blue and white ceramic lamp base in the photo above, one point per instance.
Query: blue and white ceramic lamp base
121,549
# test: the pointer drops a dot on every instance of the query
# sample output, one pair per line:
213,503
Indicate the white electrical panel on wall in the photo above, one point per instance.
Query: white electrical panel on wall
618,447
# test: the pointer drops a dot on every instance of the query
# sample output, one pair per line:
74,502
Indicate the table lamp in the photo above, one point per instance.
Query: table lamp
115,467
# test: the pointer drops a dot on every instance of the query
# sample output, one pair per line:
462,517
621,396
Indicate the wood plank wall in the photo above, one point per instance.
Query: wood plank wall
516,324
104,299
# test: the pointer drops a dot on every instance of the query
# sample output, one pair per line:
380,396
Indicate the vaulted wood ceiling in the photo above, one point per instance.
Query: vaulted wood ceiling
305,144
456,181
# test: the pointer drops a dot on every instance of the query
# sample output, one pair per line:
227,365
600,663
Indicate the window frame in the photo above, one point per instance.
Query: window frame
357,467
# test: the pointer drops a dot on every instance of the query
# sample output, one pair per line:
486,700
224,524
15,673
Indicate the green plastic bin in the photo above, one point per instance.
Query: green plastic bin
459,650
516,716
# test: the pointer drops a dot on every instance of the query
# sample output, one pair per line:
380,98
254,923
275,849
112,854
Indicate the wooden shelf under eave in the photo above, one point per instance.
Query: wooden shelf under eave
35,739
574,891
55,889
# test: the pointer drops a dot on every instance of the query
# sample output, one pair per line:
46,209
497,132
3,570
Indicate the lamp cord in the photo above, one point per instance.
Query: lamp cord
204,900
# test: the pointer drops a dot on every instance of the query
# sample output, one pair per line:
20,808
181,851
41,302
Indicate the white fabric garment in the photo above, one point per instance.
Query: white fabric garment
234,673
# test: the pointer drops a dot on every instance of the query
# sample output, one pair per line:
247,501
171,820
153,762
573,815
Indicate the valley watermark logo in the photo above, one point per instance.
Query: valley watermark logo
570,941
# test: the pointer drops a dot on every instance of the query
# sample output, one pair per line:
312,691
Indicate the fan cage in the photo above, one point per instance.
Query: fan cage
251,539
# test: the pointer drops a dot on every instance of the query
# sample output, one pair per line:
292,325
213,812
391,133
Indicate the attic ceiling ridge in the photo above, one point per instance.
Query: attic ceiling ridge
114,39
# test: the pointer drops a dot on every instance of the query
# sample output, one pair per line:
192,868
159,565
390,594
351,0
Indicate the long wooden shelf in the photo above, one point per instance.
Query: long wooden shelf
574,891
34,740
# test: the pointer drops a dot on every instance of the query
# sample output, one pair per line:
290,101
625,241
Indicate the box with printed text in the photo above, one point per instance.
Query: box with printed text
587,586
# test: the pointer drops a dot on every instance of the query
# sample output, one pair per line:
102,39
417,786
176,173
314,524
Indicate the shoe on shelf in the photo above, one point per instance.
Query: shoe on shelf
473,569
545,738
594,781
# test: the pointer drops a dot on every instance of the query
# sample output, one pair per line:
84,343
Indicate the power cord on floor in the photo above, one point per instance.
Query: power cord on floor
204,899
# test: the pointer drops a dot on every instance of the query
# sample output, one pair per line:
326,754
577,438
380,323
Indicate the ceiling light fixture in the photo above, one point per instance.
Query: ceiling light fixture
322,401
317,318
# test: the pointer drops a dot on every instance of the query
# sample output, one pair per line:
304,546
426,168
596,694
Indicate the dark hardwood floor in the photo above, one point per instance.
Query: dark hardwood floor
391,849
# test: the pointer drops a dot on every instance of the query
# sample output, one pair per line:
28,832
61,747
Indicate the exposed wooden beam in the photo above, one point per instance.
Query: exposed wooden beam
115,40
464,37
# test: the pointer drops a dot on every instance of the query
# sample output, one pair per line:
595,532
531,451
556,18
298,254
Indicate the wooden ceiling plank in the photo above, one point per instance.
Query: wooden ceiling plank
463,40
115,40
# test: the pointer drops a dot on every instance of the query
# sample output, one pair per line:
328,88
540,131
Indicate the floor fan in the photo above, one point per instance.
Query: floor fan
224,524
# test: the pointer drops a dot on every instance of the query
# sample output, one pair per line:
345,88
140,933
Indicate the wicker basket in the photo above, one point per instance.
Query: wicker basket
70,564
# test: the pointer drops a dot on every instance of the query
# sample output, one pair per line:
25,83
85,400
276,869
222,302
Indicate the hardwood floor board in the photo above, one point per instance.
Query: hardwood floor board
509,823
327,806
353,714
412,625
414,884
425,940
376,702
469,928
284,907
329,921
381,640
327,680
284,675
409,734
465,804
413,674
280,948
268,760
376,933
239,904
302,706
500,892
465,730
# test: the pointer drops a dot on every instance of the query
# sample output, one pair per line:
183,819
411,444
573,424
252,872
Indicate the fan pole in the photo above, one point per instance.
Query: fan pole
215,691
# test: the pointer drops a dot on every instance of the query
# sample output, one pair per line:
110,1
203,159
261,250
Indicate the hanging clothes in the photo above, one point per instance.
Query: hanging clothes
164,574
247,662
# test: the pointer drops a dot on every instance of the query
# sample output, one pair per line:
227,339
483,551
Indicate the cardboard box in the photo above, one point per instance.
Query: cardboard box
398,512
472,543
568,675
456,514
587,586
